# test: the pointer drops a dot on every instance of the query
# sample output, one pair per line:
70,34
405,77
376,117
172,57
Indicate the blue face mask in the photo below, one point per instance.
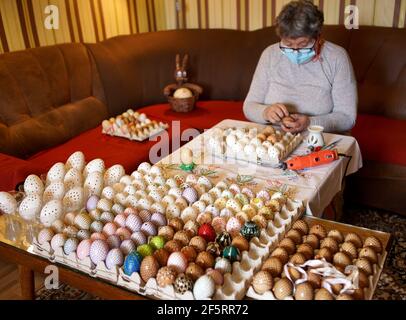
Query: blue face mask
299,56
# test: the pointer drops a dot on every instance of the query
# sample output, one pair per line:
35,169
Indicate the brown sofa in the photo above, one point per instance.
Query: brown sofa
39,110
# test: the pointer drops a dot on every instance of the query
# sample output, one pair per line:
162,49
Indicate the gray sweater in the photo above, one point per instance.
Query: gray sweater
325,90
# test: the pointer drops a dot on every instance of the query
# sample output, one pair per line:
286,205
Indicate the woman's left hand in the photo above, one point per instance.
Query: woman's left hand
300,123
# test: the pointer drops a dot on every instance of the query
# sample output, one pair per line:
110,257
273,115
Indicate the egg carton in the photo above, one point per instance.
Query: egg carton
141,138
43,250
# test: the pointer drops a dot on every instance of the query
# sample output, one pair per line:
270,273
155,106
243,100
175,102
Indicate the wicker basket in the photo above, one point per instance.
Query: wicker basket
183,105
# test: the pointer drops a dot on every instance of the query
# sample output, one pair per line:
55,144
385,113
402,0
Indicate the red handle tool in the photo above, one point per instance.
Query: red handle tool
312,160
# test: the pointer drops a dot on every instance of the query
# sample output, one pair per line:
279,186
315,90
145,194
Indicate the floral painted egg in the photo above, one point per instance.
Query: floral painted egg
98,236
123,233
233,226
223,265
204,287
178,262
223,239
70,245
83,249
207,232
45,235
114,241
132,263
250,230
231,253
133,222
114,258
98,251
139,238
127,246
149,268
109,229
167,232
183,284
190,194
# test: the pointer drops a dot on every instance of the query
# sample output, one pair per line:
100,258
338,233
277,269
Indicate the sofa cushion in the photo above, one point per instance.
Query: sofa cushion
381,139
206,114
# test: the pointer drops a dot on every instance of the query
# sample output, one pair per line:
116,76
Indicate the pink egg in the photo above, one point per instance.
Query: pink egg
127,246
130,210
219,224
98,236
120,220
124,233
158,219
233,226
145,215
149,229
109,229
91,203
45,235
139,238
133,222
114,258
83,249
178,261
216,275
114,241
98,251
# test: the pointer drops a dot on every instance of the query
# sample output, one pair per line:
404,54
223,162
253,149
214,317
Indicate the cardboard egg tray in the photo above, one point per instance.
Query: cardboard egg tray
237,282
385,239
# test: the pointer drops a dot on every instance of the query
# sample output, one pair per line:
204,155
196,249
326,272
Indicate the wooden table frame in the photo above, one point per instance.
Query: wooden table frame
29,263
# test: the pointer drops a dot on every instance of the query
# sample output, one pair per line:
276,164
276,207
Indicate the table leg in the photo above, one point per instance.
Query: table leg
27,283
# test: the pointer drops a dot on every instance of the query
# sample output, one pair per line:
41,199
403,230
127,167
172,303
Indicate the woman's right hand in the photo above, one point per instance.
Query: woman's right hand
275,113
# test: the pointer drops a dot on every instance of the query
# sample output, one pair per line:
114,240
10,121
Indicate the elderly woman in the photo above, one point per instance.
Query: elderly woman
303,80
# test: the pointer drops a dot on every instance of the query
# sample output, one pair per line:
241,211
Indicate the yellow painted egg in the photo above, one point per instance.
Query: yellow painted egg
283,288
354,238
374,243
262,282
304,291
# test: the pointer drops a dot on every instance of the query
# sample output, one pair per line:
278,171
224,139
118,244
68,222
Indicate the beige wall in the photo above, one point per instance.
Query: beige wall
22,21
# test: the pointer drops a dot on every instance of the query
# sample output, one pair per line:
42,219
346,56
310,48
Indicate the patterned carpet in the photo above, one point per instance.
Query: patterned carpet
392,285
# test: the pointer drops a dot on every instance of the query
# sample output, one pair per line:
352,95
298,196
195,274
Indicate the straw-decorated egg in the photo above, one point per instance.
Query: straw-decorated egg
350,249
70,246
183,237
329,243
207,232
250,230
281,254
364,265
283,288
98,236
354,238
166,276
30,207
318,230
374,243
190,253
192,227
204,218
183,284
323,294
98,251
83,249
231,253
178,262
167,232
114,241
123,233
199,243
162,256
149,268
262,282
369,254
336,235
173,246
149,229
204,287
301,226
114,258
194,271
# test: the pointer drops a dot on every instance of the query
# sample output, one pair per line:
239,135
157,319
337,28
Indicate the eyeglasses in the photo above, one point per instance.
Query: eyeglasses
300,50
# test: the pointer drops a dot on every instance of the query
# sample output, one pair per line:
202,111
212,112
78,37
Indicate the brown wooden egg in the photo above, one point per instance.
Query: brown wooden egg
354,238
194,271
330,244
312,240
241,243
295,235
298,259
198,243
173,246
262,282
182,236
167,232
314,280
319,231
288,245
306,249
205,260
283,288
336,235
149,268
324,253
374,243
323,294
364,265
304,291
358,294
301,226
350,249
341,259
273,265
282,254
190,253
344,296
162,256
176,224
368,253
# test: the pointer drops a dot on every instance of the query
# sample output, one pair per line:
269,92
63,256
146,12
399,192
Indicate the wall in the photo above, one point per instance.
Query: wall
22,21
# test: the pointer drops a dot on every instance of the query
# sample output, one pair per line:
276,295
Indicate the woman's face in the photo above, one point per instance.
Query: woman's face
297,43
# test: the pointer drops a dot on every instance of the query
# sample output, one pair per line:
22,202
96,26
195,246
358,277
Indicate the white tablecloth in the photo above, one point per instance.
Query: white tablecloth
316,186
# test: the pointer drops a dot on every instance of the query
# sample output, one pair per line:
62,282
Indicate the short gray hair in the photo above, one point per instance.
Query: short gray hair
299,19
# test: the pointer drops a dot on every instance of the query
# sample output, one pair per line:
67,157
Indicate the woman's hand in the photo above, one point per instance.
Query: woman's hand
275,113
296,123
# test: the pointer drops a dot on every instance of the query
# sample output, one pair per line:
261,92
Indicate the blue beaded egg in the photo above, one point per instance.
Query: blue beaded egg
132,263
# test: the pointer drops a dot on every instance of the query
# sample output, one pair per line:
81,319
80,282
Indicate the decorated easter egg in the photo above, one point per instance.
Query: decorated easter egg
250,230
204,218
336,235
30,207
157,242
70,245
186,156
109,229
190,253
124,233
98,236
96,226
207,232
107,217
183,237
139,238
190,194
114,241
283,288
98,251
145,250
132,263
223,265
192,227
231,253
133,222
91,203
374,243
273,265
173,211
216,275
57,241
50,212
33,185
223,239
318,230
149,229
167,232
183,284
83,234
83,249
214,249
149,268
83,221
262,282
204,287
241,243
178,262
304,291
114,258
127,246
219,224
162,256
188,214
158,219
45,235
199,243
194,271
166,276
233,226
205,260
